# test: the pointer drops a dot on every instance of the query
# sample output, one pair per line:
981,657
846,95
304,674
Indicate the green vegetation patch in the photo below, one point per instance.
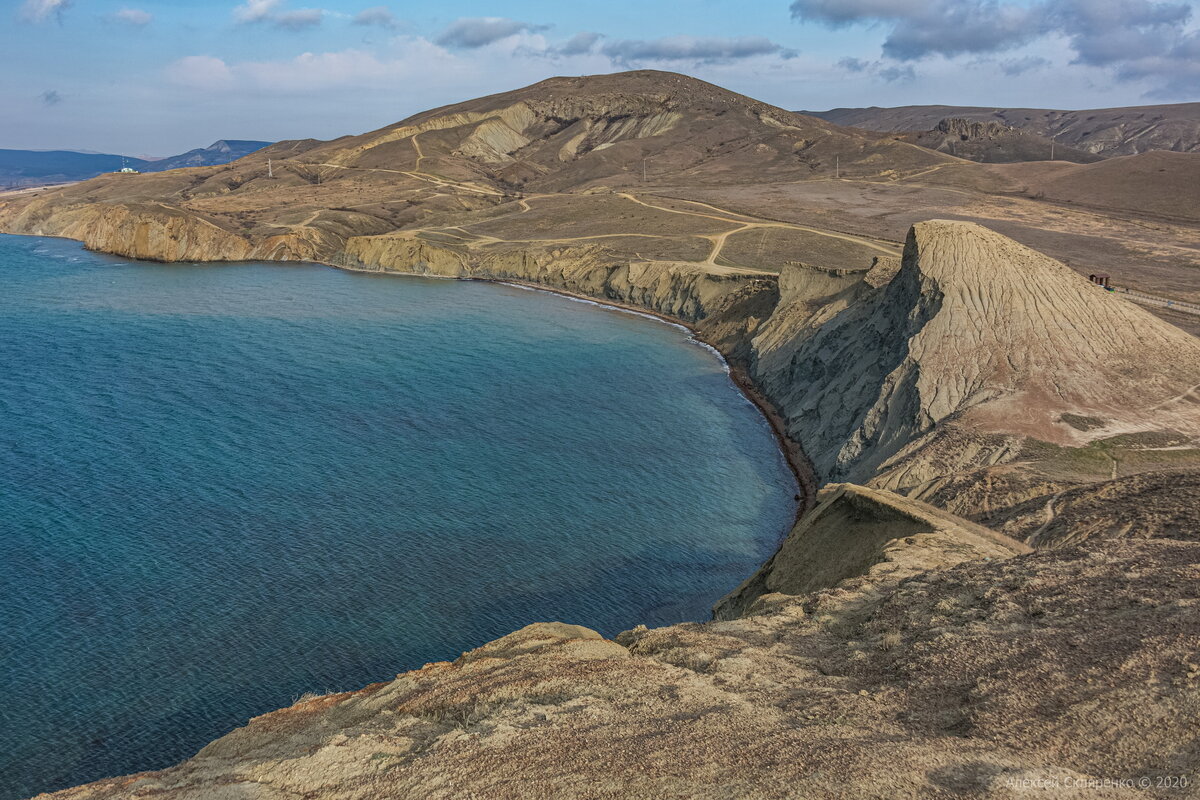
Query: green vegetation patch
1082,423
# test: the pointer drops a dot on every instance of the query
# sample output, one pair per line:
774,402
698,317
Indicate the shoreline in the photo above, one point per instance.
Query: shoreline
791,450
793,453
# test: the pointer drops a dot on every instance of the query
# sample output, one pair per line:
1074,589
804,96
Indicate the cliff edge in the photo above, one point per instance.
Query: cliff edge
1060,669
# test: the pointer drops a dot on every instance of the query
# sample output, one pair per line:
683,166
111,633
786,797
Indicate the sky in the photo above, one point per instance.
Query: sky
152,77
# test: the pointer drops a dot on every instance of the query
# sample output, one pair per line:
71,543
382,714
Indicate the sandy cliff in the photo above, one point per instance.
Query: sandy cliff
975,346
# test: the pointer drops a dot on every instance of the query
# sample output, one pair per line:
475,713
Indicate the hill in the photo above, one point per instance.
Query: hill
455,172
223,151
572,133
40,167
20,168
1101,131
995,143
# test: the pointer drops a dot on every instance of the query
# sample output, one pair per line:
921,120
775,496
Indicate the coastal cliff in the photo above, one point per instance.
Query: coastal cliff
958,374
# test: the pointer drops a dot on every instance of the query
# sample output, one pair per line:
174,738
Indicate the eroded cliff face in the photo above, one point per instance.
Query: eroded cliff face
684,291
150,232
976,346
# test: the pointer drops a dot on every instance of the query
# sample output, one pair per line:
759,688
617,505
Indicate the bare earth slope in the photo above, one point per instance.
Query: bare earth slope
1104,131
981,397
994,143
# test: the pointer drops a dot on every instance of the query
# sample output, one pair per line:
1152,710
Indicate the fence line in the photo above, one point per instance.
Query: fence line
1165,302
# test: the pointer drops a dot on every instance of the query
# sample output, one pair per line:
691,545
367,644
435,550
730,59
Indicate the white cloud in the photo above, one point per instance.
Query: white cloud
200,72
691,48
272,12
580,44
43,10
298,20
474,32
312,72
256,10
380,16
133,16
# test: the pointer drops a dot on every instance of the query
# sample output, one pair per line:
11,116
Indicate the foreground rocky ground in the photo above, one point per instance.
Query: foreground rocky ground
1061,674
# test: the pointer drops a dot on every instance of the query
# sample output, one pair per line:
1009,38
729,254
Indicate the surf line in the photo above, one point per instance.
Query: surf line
691,334
793,455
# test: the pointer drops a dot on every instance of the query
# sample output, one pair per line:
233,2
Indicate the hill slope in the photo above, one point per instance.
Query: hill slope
994,143
223,151
40,167
1162,182
1102,131
570,133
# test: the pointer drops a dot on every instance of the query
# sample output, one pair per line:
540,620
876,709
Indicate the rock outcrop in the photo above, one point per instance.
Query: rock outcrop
966,130
853,532
975,345
1074,672
995,142
150,232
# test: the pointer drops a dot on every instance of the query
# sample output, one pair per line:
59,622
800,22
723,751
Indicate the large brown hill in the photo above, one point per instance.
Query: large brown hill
1103,131
566,133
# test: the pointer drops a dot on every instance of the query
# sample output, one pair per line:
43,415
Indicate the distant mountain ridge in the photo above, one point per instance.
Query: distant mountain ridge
222,151
1105,131
41,167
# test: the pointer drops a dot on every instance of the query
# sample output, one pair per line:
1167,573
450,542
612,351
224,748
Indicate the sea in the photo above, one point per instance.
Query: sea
225,486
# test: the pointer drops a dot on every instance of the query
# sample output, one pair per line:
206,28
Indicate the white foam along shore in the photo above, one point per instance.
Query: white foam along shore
692,338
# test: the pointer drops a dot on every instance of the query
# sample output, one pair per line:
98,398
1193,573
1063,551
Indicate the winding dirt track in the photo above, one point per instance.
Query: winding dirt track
741,223
719,240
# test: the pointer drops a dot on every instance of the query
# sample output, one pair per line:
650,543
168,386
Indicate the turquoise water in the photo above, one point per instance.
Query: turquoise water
224,486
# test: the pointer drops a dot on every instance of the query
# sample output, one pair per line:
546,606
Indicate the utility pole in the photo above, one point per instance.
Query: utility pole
643,170
270,169
837,167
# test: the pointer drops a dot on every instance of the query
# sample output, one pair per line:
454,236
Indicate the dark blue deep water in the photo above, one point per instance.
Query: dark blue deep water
224,486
